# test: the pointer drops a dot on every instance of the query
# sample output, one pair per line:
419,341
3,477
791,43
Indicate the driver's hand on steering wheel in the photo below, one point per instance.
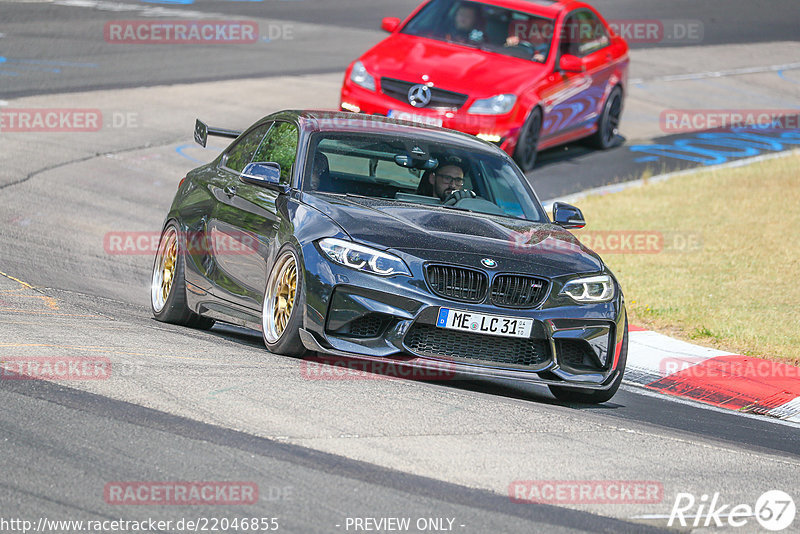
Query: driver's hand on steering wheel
458,195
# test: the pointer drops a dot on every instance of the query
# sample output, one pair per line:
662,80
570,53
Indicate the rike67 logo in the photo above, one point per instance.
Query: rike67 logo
774,510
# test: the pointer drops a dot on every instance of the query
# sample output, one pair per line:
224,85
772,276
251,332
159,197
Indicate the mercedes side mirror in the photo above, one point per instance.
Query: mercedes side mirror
390,24
570,63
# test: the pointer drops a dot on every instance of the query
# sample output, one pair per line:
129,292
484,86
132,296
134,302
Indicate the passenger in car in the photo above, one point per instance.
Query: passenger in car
320,173
465,25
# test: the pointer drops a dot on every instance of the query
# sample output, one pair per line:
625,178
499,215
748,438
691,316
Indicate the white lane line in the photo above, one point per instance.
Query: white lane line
716,74
144,10
687,516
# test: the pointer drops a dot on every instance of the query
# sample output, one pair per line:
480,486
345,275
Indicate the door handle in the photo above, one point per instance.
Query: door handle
230,190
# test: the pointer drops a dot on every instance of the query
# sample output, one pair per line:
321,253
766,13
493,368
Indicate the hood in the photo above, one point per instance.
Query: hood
450,66
438,234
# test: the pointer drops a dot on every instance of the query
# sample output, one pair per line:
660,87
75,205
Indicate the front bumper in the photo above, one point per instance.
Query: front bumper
502,130
376,319
431,370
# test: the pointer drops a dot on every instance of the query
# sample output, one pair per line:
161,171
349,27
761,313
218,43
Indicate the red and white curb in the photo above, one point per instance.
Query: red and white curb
741,383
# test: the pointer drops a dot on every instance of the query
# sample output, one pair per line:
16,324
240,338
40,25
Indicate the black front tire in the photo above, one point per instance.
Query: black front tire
583,396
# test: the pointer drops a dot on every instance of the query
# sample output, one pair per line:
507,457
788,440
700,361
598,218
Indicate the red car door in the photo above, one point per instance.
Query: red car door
575,97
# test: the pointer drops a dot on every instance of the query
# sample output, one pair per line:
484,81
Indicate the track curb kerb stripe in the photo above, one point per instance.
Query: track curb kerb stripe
731,381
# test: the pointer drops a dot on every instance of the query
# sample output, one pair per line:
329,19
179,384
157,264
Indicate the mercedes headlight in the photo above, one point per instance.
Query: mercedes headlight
360,76
591,289
363,258
497,105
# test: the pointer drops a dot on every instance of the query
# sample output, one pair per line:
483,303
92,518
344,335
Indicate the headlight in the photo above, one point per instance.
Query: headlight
497,105
360,76
592,289
362,258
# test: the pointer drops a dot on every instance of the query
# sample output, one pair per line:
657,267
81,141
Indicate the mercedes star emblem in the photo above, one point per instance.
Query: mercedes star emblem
419,96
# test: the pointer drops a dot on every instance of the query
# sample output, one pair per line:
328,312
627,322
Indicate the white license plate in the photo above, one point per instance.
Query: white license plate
480,323
413,117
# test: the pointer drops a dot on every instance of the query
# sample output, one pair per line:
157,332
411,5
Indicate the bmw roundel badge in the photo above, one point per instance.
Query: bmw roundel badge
489,263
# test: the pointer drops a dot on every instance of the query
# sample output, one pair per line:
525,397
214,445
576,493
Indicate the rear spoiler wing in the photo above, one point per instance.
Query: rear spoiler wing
202,131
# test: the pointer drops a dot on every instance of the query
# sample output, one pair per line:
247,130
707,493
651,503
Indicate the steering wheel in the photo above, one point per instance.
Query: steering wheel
457,196
522,49
527,45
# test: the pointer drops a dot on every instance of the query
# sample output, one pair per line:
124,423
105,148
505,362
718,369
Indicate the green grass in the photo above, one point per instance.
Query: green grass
738,287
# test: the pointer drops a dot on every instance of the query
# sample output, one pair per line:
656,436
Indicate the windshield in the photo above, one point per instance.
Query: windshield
407,170
497,29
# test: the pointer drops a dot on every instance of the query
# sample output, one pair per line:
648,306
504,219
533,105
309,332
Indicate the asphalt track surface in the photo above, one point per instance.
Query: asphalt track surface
304,489
61,444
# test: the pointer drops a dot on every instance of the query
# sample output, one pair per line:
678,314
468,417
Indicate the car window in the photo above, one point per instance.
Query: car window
241,153
488,27
379,169
398,168
280,146
505,189
582,34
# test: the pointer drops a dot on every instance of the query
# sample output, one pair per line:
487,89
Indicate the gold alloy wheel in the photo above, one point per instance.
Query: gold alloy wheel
280,297
164,269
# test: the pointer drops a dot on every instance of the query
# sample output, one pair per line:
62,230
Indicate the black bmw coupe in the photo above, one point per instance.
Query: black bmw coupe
361,237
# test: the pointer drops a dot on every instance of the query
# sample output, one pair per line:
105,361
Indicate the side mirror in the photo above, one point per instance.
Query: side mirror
390,24
570,63
567,216
266,174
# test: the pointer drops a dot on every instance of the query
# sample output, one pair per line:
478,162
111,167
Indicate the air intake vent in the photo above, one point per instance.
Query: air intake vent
426,340
577,354
370,325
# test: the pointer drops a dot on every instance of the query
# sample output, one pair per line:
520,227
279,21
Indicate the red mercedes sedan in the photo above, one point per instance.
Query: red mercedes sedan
524,74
